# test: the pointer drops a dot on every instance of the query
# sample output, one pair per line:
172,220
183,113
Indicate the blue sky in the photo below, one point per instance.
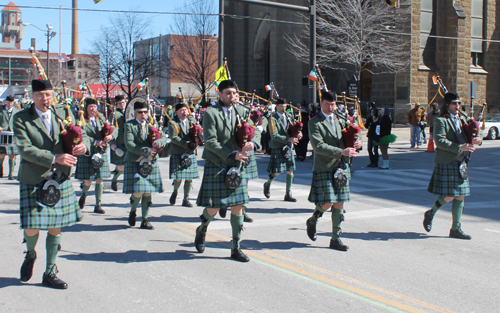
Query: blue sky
90,23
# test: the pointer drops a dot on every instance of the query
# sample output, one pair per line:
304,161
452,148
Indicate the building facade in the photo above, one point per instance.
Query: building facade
457,40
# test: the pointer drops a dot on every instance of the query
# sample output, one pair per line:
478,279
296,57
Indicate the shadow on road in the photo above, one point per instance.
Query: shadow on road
10,281
136,256
383,236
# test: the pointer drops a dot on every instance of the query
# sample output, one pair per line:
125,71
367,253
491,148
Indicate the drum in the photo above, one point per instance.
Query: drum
7,139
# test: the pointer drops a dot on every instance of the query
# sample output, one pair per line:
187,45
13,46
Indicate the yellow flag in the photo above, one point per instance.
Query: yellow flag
220,75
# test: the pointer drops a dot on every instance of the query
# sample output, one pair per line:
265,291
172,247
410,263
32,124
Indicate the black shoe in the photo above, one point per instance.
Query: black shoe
289,198
131,218
27,267
458,233
1,171
81,202
238,255
98,209
114,186
146,225
222,212
246,218
199,240
428,220
173,197
311,229
10,177
51,280
186,203
337,244
267,192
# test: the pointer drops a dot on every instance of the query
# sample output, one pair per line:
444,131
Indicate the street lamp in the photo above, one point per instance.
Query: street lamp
50,34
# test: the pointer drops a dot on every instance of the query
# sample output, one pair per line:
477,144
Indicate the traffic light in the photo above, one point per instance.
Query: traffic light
393,3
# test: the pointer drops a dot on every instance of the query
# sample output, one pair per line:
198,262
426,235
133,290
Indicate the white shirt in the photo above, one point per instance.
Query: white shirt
227,111
143,126
48,120
330,119
183,122
456,120
283,118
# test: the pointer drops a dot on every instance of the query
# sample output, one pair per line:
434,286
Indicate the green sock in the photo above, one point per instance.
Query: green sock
438,204
205,220
85,189
31,244
289,181
177,184
271,178
145,206
318,212
116,175
52,246
12,164
236,226
457,207
187,188
99,188
337,218
134,202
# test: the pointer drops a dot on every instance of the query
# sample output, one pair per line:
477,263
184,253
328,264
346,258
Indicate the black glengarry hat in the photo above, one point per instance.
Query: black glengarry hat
180,106
227,84
40,85
329,96
140,105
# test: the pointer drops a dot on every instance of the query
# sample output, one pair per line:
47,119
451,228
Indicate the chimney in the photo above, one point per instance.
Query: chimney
33,43
74,37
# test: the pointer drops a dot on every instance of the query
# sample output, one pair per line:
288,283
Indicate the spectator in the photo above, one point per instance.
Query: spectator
371,124
383,136
415,116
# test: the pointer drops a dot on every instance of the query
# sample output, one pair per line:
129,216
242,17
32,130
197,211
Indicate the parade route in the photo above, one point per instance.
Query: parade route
392,265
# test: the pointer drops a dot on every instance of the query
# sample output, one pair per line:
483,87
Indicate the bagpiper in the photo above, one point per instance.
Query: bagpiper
6,117
117,144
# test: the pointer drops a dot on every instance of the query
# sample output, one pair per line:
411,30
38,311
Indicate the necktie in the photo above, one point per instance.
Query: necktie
143,125
184,125
229,115
45,119
457,124
92,121
283,119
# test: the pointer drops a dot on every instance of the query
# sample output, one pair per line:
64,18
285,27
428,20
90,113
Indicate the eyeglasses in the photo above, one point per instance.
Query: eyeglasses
455,102
142,112
44,95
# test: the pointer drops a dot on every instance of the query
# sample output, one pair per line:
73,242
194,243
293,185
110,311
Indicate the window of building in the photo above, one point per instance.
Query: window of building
477,33
427,29
86,64
79,64
86,74
79,75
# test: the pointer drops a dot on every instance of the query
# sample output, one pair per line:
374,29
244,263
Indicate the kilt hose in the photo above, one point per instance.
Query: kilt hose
38,216
116,160
278,163
85,171
251,169
214,193
135,183
447,182
9,150
323,191
177,172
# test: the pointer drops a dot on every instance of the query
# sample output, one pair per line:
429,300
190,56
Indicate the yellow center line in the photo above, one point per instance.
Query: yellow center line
329,281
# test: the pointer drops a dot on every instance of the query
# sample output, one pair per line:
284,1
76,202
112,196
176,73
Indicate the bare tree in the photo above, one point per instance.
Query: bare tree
361,34
128,28
194,57
103,65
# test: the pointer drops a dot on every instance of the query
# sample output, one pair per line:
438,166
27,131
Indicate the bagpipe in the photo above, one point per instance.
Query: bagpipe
195,129
296,125
470,125
245,131
350,133
71,135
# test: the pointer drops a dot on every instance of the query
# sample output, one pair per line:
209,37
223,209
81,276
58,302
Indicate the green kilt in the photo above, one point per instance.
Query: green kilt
251,170
278,163
214,193
85,171
177,172
135,183
323,191
9,150
447,182
116,160
38,216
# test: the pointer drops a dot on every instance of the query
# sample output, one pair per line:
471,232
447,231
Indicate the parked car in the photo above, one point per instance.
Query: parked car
491,128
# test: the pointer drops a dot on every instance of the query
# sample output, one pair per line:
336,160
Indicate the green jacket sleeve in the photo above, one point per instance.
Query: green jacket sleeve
211,139
440,137
318,142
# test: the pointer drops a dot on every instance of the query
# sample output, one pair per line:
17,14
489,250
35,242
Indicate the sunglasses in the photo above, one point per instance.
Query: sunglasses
142,112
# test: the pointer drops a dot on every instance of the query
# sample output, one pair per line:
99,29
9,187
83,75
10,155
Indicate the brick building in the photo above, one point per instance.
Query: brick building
466,50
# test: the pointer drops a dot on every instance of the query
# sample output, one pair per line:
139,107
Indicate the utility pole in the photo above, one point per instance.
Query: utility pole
312,33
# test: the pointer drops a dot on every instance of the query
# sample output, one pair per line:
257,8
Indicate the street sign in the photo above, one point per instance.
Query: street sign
352,88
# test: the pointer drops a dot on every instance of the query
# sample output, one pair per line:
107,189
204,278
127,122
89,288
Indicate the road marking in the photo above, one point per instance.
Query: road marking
492,230
331,283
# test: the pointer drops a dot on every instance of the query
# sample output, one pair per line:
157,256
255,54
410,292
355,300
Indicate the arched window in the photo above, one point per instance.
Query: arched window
79,75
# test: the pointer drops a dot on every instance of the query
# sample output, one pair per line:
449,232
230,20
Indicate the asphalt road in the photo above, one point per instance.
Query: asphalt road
392,265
